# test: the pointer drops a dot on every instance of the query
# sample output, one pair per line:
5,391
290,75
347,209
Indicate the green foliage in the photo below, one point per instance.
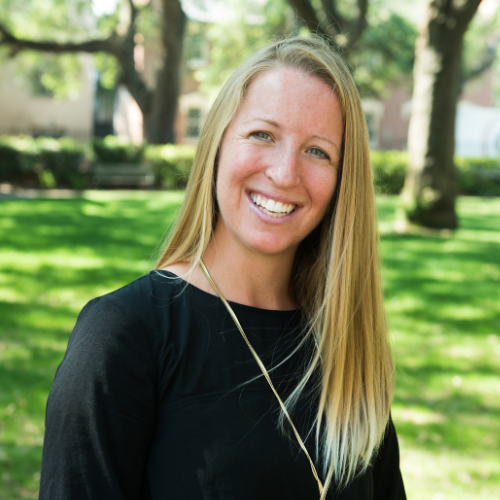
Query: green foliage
171,164
108,69
107,22
57,75
59,20
48,162
17,158
42,162
475,176
61,161
385,53
111,149
480,41
442,301
148,23
389,170
478,176
248,27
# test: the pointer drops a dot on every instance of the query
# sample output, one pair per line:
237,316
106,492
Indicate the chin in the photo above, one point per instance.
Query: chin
270,248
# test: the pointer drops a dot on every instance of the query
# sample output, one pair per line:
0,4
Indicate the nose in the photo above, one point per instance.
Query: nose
284,168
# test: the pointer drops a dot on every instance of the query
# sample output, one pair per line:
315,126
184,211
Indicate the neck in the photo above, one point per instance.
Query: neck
247,277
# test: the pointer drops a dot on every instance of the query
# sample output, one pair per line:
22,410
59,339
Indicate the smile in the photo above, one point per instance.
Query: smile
271,207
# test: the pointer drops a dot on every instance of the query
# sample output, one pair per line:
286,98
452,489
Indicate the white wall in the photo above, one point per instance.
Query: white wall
477,131
21,112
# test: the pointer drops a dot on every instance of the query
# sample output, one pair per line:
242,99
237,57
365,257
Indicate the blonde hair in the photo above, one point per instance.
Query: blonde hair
336,271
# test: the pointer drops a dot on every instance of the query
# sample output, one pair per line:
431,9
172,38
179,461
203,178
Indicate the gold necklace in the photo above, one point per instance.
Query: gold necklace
264,372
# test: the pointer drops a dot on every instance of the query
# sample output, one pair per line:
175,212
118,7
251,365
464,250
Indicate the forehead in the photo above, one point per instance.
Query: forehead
287,95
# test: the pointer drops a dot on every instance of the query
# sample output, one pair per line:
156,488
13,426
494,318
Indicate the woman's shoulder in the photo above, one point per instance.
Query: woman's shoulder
131,307
145,294
146,303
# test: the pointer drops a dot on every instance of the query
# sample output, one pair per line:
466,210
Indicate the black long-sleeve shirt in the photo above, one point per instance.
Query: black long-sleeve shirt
159,398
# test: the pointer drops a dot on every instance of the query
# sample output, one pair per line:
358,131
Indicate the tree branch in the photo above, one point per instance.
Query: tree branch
486,61
122,49
133,18
336,20
346,32
456,16
108,45
133,11
358,25
307,13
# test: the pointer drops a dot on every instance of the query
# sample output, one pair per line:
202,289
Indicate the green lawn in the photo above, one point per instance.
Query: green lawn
443,301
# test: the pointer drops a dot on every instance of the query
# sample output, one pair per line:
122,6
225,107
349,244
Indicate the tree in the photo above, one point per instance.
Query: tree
383,54
331,19
430,187
158,105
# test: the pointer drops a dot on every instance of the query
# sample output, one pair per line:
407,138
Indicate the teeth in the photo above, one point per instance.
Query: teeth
271,207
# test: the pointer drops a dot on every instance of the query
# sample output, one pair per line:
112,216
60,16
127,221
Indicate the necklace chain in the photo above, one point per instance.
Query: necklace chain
264,372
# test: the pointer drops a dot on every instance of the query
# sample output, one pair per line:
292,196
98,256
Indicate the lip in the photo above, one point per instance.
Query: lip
267,218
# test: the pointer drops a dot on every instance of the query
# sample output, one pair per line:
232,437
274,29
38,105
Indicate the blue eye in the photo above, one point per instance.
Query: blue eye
262,135
320,154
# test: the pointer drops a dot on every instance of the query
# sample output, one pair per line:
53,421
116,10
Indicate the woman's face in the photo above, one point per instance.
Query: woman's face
279,162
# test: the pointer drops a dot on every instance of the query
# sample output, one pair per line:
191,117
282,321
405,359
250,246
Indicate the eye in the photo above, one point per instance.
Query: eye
262,135
319,153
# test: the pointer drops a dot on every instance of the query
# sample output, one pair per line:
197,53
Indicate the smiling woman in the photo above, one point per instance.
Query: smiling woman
253,363
282,148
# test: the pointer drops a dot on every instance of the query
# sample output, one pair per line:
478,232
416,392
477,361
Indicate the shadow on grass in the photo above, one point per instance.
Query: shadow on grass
30,349
443,301
84,224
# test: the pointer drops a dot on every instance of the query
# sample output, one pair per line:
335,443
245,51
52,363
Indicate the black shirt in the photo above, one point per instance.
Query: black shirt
158,397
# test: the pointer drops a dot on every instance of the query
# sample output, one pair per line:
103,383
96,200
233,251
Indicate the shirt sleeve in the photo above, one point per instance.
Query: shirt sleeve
387,479
100,413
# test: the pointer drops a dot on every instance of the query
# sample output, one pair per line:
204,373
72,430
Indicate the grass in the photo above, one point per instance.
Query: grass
443,301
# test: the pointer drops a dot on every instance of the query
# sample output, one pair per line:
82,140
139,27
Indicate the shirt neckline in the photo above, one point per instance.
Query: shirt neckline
237,305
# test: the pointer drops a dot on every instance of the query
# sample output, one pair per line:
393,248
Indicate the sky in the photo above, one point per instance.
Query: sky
201,10
101,7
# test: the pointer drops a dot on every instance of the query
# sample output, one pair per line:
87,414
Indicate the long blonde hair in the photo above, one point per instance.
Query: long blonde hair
336,271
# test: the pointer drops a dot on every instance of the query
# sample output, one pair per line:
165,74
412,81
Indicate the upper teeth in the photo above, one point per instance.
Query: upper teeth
272,205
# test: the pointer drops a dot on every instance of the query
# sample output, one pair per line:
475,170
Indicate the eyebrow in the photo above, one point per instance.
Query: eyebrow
327,140
275,124
267,120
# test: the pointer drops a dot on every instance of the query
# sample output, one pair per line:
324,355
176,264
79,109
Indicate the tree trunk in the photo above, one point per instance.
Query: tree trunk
430,187
159,121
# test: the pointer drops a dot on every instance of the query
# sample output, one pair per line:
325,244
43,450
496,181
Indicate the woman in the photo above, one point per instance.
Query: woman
283,391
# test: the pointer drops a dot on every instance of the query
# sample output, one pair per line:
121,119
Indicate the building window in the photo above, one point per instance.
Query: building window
195,46
193,123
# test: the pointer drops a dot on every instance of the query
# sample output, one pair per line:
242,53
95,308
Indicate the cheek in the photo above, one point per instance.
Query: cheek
235,169
322,190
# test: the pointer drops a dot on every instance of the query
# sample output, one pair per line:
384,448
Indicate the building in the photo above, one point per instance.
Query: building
28,108
477,130
36,112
